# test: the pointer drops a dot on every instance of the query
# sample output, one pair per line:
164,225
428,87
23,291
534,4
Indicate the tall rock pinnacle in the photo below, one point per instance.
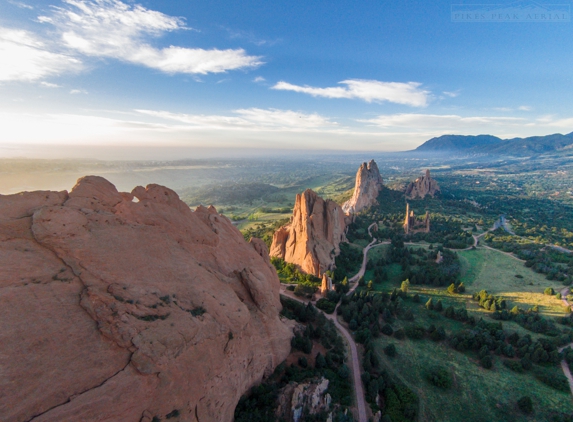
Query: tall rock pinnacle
311,240
368,185
422,186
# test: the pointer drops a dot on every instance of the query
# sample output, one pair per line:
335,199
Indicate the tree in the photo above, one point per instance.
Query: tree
525,405
370,285
486,362
430,305
405,286
390,350
416,298
549,291
452,288
387,329
461,288
302,362
319,361
438,306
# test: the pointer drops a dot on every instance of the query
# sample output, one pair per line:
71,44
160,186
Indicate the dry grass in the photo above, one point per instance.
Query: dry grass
485,269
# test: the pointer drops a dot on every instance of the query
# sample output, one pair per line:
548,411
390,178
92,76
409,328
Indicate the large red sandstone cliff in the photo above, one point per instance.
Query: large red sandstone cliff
123,309
367,187
311,240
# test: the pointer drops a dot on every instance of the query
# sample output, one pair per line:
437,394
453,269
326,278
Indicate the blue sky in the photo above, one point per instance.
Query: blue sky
99,75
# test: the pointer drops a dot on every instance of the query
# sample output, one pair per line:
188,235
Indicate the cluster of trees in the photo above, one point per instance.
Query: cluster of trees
348,261
260,403
489,301
289,273
366,312
420,266
328,303
554,264
521,353
264,231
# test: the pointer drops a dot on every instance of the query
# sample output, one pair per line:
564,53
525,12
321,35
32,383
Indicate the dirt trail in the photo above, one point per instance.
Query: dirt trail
354,357
564,364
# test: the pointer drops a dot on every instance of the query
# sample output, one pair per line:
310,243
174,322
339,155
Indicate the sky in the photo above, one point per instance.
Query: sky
178,79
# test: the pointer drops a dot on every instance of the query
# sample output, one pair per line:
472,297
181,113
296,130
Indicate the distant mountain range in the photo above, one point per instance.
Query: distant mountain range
487,144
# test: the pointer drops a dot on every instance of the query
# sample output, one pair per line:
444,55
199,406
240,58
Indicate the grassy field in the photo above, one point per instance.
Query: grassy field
477,394
486,269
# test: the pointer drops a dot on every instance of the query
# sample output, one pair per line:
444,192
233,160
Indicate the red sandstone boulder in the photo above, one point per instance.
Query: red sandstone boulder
122,309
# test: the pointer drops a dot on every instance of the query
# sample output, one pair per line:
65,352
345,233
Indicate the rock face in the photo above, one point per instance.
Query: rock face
122,309
368,185
298,399
422,186
311,240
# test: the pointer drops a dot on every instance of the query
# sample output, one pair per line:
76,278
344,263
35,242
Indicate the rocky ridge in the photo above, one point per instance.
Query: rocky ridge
311,240
130,306
367,187
422,186
296,399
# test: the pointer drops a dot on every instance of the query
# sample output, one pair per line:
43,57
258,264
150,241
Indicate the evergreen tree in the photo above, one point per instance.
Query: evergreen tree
405,286
438,307
430,305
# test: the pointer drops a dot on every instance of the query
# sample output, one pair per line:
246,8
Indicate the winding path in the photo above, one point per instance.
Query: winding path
354,357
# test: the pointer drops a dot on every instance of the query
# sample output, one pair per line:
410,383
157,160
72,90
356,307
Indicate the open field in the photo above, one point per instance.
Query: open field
486,269
477,394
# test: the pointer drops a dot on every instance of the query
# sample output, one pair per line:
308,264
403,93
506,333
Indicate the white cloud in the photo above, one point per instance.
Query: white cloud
24,57
111,28
368,90
284,118
259,79
525,108
50,85
20,4
78,91
433,121
251,119
451,94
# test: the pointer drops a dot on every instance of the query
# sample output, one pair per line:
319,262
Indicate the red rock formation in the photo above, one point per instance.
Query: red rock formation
311,240
115,310
368,185
422,186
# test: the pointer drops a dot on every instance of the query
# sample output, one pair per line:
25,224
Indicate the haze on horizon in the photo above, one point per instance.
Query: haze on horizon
109,79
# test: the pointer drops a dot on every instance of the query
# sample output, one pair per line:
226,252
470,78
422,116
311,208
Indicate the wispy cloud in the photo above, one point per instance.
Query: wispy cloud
251,119
409,93
20,4
78,91
111,28
25,57
250,37
50,85
259,79
525,108
451,94
439,121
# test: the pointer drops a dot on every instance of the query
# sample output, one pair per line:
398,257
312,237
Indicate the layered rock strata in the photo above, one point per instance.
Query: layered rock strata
130,307
367,187
422,186
311,240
